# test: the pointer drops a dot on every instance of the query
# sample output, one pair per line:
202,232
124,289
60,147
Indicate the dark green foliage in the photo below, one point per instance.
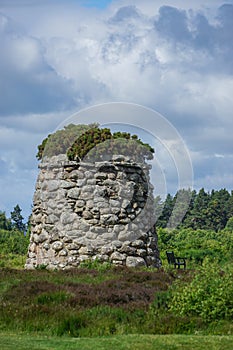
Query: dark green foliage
17,219
61,140
229,225
87,141
101,144
207,211
230,206
5,224
199,211
13,242
78,140
167,208
180,206
217,211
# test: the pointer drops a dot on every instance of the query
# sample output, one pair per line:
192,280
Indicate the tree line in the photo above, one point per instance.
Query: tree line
15,222
206,210
14,235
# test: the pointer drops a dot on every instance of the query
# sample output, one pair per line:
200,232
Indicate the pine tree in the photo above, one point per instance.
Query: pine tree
216,217
181,205
5,224
187,220
166,212
198,214
17,218
229,206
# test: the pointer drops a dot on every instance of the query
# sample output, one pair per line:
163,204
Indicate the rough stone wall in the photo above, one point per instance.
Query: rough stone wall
85,211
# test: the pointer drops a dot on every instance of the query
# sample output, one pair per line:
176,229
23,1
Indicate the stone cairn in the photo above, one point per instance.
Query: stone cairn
86,211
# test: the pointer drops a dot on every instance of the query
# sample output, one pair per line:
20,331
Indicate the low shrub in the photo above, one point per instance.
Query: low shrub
209,295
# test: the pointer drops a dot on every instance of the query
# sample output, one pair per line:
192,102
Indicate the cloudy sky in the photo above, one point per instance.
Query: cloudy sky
58,57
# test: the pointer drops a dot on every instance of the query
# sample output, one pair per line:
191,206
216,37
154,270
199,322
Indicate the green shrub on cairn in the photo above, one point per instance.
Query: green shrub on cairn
93,143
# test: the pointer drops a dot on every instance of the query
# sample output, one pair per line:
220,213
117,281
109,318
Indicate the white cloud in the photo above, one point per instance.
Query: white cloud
28,83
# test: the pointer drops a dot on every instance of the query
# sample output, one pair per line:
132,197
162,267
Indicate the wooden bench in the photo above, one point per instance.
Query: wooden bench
175,260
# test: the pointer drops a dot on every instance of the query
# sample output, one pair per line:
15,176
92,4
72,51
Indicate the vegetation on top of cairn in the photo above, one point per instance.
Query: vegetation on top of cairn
101,144
94,143
61,140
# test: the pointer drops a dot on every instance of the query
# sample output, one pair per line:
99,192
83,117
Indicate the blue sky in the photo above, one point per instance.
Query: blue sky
58,57
95,3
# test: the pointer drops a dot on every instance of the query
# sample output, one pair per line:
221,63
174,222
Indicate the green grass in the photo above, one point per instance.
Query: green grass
13,261
92,303
10,341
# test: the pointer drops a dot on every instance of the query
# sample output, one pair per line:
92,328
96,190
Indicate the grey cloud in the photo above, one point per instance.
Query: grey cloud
219,174
125,13
224,35
192,32
3,167
118,45
204,33
25,94
217,39
28,83
225,15
172,24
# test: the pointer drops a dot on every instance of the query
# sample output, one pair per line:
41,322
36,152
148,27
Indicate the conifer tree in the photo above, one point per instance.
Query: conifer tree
5,224
17,218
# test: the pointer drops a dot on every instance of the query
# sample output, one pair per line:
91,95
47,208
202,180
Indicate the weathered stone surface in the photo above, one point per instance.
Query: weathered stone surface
46,246
117,256
73,193
127,236
109,236
52,219
107,250
53,185
108,219
132,261
67,218
63,252
42,237
80,203
57,246
141,252
87,211
81,182
117,244
127,249
38,218
138,244
67,184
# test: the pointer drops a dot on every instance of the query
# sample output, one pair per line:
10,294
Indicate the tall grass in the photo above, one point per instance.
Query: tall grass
89,302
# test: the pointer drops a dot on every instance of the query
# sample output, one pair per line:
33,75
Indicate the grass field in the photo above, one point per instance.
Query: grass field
9,341
103,308
91,303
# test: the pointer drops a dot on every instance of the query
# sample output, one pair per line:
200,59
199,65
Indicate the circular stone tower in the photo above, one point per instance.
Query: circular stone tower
93,210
